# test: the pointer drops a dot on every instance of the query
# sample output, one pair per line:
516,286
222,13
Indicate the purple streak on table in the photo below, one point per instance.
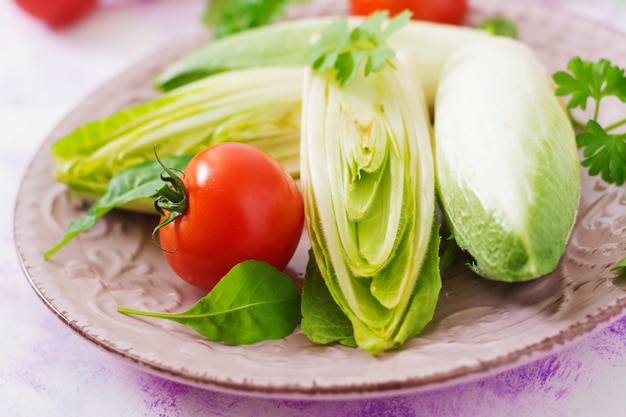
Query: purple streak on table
539,374
550,377
162,396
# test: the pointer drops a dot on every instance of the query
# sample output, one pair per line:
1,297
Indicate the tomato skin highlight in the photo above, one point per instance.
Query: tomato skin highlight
366,7
56,13
242,204
439,11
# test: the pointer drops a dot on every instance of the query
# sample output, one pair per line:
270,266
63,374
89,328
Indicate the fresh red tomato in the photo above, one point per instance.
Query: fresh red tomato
57,12
366,7
242,204
439,11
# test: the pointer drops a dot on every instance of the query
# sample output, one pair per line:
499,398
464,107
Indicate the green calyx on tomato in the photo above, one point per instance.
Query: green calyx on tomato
171,201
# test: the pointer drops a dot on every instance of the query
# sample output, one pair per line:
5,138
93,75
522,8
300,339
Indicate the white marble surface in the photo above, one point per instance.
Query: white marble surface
47,370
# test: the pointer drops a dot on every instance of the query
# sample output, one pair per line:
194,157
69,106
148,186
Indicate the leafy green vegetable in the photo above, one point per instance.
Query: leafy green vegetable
368,185
257,105
323,322
253,302
345,50
284,43
588,80
508,174
604,152
260,107
231,16
499,26
277,44
129,186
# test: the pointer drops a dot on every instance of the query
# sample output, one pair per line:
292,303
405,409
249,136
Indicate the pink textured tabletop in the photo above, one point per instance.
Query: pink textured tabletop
47,369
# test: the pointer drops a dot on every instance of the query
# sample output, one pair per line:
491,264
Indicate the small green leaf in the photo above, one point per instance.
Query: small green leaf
323,322
378,59
499,26
253,302
134,183
333,39
590,80
395,24
620,264
346,50
231,16
603,153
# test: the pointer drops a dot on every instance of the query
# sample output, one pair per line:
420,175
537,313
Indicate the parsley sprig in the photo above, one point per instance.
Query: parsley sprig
604,151
228,17
345,50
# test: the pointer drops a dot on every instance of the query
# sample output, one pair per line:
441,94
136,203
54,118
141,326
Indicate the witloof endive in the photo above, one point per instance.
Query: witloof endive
368,182
506,158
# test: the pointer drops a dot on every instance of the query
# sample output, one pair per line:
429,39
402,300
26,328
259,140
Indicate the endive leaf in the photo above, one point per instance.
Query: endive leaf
368,184
260,107
323,322
508,174
284,43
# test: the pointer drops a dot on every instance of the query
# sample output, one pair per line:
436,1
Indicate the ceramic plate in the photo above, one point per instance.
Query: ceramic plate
479,326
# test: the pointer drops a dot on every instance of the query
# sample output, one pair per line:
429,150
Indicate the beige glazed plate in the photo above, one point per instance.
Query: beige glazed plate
479,326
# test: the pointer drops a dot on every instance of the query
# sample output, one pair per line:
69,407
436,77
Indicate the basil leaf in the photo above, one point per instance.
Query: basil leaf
253,302
323,322
132,184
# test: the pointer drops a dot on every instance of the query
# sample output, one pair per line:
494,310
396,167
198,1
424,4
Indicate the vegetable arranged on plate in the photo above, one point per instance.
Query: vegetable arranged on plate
604,150
368,183
57,13
232,203
253,302
508,176
381,121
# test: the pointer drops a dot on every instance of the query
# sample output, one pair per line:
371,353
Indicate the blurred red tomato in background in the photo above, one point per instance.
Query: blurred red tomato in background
439,11
56,13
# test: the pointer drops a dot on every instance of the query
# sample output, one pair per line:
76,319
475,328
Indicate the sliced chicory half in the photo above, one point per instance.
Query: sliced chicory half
368,184
258,106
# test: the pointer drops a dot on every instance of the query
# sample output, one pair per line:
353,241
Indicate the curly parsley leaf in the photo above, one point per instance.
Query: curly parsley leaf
604,152
346,50
593,80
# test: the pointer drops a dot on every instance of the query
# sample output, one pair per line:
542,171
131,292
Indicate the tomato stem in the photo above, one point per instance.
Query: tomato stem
171,201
